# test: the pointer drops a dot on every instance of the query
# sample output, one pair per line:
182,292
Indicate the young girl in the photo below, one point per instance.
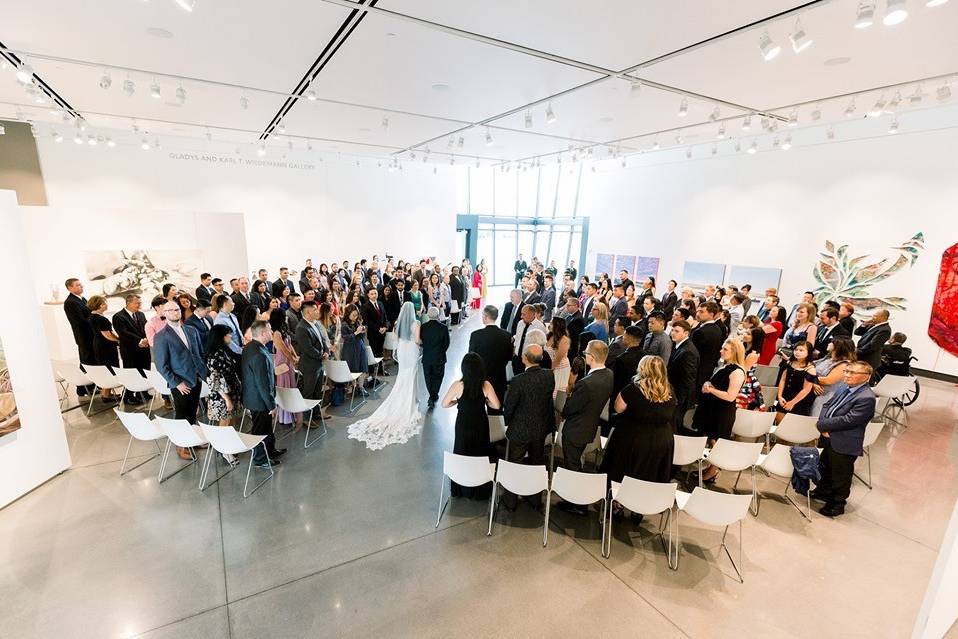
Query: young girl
796,384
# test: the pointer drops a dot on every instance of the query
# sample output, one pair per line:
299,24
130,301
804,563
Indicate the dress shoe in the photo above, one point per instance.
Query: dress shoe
384,373
818,495
109,400
573,509
277,453
264,464
184,453
832,510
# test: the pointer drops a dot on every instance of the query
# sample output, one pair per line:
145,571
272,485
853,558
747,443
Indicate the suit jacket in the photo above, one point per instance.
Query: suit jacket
177,363
456,289
584,406
658,344
260,301
620,309
763,312
528,408
204,294
616,348
374,317
131,328
549,299
708,341
849,324
293,318
683,371
624,368
435,342
311,349
393,305
509,312
823,338
574,325
669,301
259,377
494,346
586,309
531,298
871,342
202,327
240,303
846,425
79,317
279,285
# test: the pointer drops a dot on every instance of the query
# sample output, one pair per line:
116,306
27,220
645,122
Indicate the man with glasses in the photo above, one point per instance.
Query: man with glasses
842,424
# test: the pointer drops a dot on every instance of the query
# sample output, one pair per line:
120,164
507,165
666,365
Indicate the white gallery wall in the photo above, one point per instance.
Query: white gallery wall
296,209
777,208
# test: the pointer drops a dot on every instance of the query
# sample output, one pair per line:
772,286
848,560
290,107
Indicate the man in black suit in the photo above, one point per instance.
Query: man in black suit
205,290
394,303
874,333
520,269
313,348
241,298
130,326
707,338
435,343
528,408
574,324
307,273
283,282
626,281
79,317
511,311
259,392
683,370
457,292
201,321
549,297
828,331
626,364
669,299
531,294
374,317
617,344
842,423
591,290
620,304
494,346
583,407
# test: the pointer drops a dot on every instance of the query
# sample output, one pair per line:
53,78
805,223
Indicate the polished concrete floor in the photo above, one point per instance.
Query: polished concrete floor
342,543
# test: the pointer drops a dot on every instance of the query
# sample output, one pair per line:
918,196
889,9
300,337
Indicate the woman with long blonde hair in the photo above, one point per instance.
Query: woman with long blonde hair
641,444
715,413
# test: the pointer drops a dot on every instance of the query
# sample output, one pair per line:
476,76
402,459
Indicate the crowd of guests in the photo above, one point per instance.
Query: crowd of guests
569,352
246,340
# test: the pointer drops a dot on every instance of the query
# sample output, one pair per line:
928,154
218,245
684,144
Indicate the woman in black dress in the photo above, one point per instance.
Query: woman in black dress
471,395
715,413
354,341
796,386
641,444
105,341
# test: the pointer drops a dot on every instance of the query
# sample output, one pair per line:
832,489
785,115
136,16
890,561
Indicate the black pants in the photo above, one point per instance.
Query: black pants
433,374
516,454
186,405
837,470
572,455
455,317
262,425
312,386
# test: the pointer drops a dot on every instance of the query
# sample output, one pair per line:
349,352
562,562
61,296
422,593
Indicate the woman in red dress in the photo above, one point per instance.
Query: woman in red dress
477,284
773,331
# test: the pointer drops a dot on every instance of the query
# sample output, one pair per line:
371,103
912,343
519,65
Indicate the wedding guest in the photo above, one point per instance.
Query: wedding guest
830,371
129,323
416,297
435,343
803,327
599,326
223,305
625,365
656,342
548,297
223,381
587,397
494,347
457,291
200,320
374,318
528,409
528,322
752,334
241,297
294,313
75,308
169,291
846,317
683,370
392,300
830,329
285,361
875,332
617,344
258,379
205,291
773,329
510,312
750,395
158,322
282,282
707,338
354,341
795,385
669,299
105,341
715,413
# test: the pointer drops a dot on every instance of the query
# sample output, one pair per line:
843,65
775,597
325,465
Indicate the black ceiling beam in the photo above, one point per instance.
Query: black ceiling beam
15,60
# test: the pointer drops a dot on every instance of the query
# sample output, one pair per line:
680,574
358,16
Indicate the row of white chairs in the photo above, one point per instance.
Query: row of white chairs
584,489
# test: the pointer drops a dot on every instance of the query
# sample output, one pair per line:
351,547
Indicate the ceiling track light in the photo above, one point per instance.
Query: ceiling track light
850,109
879,107
683,108
865,14
753,148
91,140
156,143
550,114
105,81
747,122
830,133
311,95
77,138
935,3
893,127
894,103
155,91
129,87
688,153
769,49
764,122
244,102
793,118
817,112
678,138
528,120
896,11
655,144
385,122
187,5
915,98
488,137
714,149
635,88
721,132
261,150
776,143
944,92
799,39
460,142
738,146
57,137
787,144
181,95
715,114
24,73
109,142
451,142
281,128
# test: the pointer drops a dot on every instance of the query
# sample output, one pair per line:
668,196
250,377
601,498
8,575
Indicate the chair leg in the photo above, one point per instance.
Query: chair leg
807,515
123,465
210,452
169,445
493,506
322,420
442,504
668,551
740,567
545,526
868,462
607,532
677,542
754,495
123,469
92,397
700,473
605,511
166,456
149,412
250,469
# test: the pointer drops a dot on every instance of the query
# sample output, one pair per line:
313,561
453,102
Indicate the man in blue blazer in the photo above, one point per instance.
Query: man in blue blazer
842,424
178,353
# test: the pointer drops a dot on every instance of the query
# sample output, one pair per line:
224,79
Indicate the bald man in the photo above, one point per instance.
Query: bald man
874,333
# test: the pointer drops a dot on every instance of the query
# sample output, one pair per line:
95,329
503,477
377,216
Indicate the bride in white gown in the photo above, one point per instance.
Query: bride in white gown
398,418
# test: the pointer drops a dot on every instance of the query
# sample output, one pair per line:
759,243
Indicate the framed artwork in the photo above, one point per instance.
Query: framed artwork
9,417
759,277
116,274
646,267
626,262
604,263
698,275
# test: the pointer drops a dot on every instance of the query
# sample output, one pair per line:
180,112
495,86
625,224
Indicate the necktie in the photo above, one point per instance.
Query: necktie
838,402
522,340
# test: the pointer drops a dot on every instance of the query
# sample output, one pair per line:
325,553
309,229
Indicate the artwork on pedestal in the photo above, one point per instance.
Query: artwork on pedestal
116,274
9,417
943,325
840,277
698,275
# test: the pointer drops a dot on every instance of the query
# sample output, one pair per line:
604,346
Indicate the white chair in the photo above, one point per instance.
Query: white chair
291,400
140,428
895,387
102,378
160,387
645,498
337,372
715,509
767,375
582,489
497,428
872,431
752,424
227,441
769,395
391,343
132,382
796,429
778,462
454,307
689,450
465,471
373,362
71,373
475,293
518,479
736,457
179,432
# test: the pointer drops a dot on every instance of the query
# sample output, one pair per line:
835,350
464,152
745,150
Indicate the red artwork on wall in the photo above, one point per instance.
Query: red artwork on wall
943,326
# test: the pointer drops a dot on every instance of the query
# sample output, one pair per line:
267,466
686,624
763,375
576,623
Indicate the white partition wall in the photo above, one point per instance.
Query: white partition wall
38,451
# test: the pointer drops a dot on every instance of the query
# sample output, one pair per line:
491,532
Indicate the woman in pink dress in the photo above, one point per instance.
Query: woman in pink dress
284,361
477,283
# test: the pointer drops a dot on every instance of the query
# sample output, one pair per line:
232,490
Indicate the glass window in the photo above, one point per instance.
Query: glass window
484,246
542,244
568,186
505,238
575,251
505,193
480,191
560,248
525,244
547,189
528,182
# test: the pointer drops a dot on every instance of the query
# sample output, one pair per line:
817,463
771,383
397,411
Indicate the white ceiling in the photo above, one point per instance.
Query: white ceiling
432,83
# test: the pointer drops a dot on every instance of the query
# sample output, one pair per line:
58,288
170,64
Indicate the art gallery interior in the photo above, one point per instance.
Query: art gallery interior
798,145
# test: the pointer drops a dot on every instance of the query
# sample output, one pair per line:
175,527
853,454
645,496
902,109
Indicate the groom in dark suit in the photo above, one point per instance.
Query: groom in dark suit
494,346
435,343
374,317
79,317
130,326
259,391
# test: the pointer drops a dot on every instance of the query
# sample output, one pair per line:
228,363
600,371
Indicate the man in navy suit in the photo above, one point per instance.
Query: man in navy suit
842,424
179,359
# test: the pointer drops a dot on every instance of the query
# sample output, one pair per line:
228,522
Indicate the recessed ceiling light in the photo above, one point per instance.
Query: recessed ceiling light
835,62
895,13
157,32
439,86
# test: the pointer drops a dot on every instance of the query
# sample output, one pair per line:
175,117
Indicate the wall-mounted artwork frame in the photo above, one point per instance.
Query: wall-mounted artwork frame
698,275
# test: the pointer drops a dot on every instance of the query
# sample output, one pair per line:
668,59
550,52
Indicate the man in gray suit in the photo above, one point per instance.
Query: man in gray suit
656,342
259,391
842,424
584,405
313,347
528,408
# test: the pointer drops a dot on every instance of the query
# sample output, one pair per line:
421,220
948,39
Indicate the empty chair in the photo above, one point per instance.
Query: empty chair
894,387
872,431
102,378
132,382
227,441
374,362
797,429
881,405
179,432
71,373
736,457
778,462
292,401
391,343
769,395
141,428
714,509
752,424
577,488
464,470
454,306
160,387
689,450
766,375
337,371
497,428
645,498
518,479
